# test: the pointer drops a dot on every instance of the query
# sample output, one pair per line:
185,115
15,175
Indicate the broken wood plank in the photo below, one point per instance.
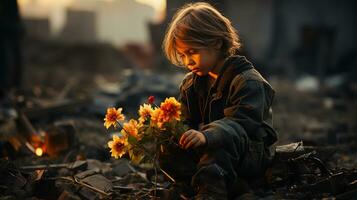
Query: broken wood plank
79,164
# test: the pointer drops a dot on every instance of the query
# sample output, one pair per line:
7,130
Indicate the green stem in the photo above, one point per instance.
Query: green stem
166,174
155,159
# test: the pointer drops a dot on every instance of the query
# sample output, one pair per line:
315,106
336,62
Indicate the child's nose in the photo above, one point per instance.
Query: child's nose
189,61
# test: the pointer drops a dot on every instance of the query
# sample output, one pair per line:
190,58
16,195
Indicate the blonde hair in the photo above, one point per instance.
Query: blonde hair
200,25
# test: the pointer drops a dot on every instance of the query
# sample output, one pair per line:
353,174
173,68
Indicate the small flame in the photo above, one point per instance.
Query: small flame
39,151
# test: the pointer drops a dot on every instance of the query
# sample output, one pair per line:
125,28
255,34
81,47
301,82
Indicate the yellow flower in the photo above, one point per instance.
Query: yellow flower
118,146
131,128
135,155
157,117
112,117
171,109
145,112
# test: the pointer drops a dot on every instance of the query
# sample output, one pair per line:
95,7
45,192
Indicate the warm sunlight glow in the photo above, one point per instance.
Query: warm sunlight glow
44,5
54,11
30,7
110,16
39,151
158,5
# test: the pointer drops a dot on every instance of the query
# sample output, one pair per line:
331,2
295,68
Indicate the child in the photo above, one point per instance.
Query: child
226,102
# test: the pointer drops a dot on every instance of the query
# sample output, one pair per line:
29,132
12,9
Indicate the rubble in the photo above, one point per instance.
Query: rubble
297,172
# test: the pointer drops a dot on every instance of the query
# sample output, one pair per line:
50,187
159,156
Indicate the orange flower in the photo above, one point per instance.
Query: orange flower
157,117
171,109
145,112
112,117
131,128
118,146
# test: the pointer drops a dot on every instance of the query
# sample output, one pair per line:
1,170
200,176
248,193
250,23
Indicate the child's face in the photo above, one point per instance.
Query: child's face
198,60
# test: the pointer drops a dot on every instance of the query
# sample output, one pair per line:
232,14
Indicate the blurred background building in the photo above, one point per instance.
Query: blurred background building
291,39
309,36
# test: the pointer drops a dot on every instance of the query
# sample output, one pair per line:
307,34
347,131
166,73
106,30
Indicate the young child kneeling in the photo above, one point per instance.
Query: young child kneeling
226,102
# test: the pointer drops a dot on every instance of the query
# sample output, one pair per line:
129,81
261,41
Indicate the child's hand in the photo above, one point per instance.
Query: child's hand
192,138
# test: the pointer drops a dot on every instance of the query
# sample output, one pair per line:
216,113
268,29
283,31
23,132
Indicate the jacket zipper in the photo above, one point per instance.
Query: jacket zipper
205,107
188,103
216,97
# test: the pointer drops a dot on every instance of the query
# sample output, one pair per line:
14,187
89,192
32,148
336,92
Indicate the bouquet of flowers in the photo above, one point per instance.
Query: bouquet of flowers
145,138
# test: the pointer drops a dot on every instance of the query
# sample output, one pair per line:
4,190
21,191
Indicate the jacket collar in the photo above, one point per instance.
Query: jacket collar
233,65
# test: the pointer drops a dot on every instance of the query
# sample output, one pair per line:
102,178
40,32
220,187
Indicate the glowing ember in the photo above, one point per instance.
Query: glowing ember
39,152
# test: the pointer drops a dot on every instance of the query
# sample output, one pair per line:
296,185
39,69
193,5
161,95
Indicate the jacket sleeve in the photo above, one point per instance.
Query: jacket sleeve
246,107
183,100
190,116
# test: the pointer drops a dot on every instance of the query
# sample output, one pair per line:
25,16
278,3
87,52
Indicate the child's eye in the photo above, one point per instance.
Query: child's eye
192,51
180,55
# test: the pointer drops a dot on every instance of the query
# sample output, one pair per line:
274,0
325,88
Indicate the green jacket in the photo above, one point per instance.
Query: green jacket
240,99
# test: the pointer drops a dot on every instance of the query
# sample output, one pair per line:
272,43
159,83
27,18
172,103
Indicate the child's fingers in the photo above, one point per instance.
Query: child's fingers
192,142
189,137
184,137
